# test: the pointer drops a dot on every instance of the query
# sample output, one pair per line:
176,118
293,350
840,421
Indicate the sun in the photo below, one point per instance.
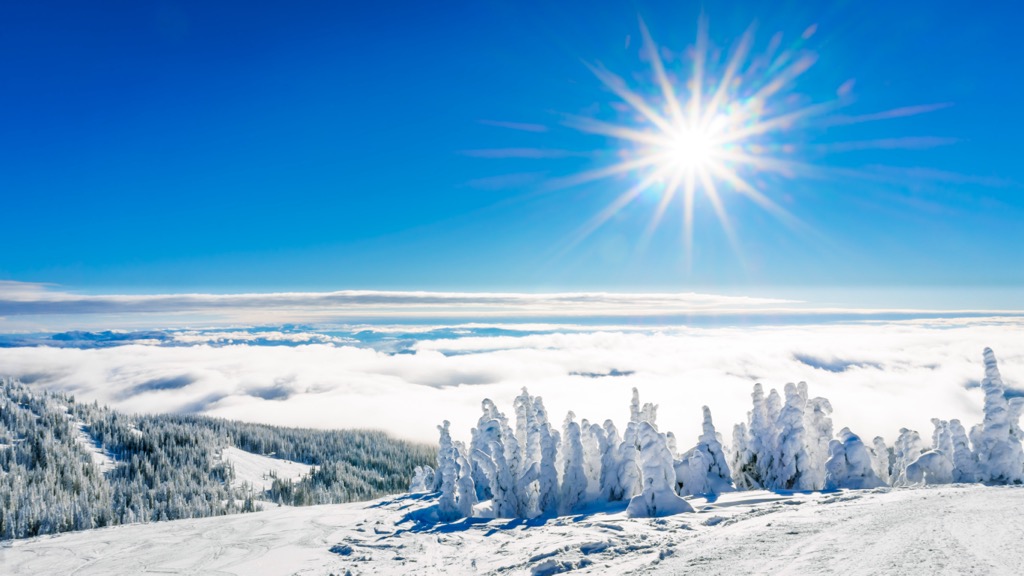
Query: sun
701,132
691,149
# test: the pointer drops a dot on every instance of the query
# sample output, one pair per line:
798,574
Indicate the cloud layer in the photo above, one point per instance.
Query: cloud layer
30,307
880,376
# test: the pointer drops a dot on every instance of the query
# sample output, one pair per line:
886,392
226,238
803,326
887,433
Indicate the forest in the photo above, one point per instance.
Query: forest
67,465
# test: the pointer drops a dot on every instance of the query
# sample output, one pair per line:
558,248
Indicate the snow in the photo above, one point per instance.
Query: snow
99,456
951,529
259,471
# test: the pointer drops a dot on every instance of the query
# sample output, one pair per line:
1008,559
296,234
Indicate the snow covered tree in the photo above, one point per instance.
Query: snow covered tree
931,467
444,453
481,441
880,459
818,430
906,450
658,496
422,479
752,448
574,477
703,469
743,460
549,440
692,474
447,474
465,484
634,407
934,466
612,486
965,463
592,452
999,451
791,457
849,464
492,436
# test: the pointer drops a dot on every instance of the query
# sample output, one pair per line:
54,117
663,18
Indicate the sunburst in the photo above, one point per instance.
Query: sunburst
705,134
707,127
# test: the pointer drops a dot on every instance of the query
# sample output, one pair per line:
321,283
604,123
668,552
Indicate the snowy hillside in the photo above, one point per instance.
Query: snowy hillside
952,529
67,465
260,471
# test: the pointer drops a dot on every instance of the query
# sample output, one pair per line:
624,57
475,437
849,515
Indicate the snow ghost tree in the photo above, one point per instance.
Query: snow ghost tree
465,485
592,452
422,479
703,470
754,459
906,450
999,452
965,463
742,459
547,489
932,467
880,459
792,456
447,474
444,453
658,496
574,477
849,464
612,487
818,430
490,459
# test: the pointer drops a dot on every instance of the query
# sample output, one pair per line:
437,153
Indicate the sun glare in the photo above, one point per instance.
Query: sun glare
691,149
722,126
701,132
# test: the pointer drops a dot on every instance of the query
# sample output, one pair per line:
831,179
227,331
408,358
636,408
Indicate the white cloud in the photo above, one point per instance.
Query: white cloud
879,376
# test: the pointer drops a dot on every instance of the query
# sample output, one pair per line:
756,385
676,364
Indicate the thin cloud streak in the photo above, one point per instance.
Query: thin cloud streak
28,307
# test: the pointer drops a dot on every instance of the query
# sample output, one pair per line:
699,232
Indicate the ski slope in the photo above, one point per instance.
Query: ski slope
99,456
260,471
952,529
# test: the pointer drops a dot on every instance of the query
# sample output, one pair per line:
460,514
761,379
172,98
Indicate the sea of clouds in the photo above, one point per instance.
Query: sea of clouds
880,375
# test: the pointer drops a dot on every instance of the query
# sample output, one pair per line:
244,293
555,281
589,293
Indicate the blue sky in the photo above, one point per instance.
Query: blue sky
180,146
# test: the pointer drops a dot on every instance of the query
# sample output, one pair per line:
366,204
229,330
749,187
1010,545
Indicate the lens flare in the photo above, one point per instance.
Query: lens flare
711,123
708,127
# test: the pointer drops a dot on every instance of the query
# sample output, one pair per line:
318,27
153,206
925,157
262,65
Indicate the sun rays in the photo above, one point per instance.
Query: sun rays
705,127
704,130
702,133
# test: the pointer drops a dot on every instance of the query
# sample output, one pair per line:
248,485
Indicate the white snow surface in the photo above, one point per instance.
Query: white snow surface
99,456
949,529
258,470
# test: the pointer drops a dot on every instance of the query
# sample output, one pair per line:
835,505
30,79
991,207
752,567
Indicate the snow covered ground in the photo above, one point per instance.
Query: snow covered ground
259,470
99,456
952,529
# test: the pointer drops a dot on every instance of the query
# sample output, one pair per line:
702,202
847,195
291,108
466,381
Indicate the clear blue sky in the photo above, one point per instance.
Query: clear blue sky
224,146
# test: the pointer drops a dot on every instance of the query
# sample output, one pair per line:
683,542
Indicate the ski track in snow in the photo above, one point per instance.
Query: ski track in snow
956,529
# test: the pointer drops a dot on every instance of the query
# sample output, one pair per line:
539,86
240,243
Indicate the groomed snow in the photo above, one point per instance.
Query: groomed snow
951,529
259,470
